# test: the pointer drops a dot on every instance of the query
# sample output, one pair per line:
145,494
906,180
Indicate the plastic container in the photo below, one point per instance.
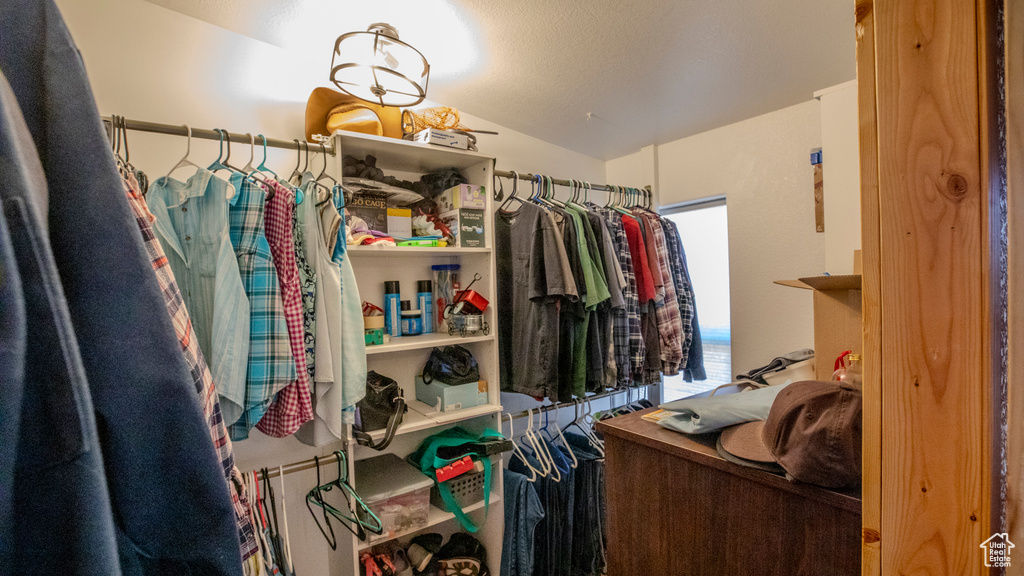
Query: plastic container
793,373
467,489
392,312
398,494
446,282
424,297
412,320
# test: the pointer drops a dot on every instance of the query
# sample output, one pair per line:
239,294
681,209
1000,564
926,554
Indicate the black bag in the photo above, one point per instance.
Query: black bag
452,365
382,407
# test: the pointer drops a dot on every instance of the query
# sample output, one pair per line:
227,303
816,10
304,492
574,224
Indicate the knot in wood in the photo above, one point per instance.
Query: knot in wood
956,185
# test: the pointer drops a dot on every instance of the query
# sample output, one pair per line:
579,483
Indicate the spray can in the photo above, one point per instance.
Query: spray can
392,312
424,297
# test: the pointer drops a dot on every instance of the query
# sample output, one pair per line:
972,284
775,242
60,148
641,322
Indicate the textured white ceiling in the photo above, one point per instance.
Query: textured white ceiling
646,72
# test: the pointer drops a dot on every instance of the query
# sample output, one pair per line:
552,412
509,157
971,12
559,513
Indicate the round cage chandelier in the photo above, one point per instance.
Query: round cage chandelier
377,67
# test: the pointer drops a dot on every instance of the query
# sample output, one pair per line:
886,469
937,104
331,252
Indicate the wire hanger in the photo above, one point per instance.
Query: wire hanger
518,452
561,437
515,192
298,157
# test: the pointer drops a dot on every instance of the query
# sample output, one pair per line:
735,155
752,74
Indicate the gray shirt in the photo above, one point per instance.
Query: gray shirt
532,276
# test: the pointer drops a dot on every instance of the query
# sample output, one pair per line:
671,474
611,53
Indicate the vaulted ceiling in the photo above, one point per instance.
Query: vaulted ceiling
601,77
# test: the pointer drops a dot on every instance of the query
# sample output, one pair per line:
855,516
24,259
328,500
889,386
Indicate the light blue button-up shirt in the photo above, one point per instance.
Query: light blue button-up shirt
191,222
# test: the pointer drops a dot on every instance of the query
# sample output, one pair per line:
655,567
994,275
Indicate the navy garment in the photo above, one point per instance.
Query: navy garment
171,507
523,511
588,536
55,515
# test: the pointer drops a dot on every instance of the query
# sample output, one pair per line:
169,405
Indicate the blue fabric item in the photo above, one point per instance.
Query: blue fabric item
55,515
701,415
167,491
588,536
523,511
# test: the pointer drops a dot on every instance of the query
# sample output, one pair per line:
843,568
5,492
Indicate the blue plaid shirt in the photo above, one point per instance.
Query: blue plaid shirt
628,341
271,364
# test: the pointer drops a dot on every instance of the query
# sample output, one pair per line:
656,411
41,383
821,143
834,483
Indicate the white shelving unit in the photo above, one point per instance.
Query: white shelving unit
403,358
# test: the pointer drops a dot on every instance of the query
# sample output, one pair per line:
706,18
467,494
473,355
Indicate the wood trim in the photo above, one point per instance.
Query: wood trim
1014,70
871,484
936,385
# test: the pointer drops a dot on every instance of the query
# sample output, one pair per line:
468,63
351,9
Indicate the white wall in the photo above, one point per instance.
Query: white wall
762,167
840,144
146,62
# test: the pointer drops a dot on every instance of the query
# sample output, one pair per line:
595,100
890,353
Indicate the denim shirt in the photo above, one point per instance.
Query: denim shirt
191,222
523,510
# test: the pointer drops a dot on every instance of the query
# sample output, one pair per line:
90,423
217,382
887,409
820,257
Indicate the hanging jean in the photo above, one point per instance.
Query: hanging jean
523,511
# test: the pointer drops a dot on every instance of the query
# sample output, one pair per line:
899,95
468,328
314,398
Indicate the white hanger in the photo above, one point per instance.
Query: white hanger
517,451
185,161
556,474
284,515
590,421
535,443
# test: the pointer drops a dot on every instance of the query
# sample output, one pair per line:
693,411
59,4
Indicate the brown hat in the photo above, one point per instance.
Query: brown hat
328,110
813,431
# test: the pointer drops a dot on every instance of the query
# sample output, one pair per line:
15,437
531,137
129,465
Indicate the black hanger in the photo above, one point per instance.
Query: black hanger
316,497
515,192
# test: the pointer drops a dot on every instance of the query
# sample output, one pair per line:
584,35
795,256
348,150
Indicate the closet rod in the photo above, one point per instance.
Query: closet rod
560,182
557,405
332,459
180,130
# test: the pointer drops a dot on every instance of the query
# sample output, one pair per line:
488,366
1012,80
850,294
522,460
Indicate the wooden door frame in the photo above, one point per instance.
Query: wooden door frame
933,211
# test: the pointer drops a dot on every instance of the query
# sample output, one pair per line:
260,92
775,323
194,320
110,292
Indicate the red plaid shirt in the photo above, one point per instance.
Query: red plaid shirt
292,406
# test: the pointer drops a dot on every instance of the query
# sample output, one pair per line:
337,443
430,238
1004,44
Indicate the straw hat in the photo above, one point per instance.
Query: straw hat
328,110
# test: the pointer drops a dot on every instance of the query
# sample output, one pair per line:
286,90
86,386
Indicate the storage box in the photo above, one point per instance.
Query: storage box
371,207
449,397
467,489
463,196
398,494
442,138
468,226
400,222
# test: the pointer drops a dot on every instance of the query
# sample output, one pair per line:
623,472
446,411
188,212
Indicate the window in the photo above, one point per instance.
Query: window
704,230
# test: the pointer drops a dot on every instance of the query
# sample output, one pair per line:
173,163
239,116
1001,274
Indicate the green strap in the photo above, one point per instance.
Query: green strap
453,506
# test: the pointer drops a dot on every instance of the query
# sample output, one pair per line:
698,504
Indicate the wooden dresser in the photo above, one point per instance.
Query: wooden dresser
677,508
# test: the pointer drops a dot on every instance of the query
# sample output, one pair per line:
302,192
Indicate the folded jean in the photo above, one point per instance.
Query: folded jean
702,415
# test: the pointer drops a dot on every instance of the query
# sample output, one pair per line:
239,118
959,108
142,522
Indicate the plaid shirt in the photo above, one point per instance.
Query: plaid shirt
628,342
670,324
200,372
684,291
293,406
271,363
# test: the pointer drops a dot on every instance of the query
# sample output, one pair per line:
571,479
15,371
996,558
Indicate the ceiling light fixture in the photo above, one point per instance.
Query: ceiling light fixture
379,68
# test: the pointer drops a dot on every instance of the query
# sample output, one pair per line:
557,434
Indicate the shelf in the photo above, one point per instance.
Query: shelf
405,155
392,251
434,517
425,341
838,282
421,416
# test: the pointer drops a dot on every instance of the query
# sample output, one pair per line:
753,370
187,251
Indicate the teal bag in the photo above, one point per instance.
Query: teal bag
426,459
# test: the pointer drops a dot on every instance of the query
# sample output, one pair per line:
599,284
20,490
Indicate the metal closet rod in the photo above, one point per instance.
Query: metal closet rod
560,182
180,130
332,458
558,405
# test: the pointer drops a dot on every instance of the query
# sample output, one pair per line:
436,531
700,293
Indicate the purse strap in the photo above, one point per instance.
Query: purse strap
394,422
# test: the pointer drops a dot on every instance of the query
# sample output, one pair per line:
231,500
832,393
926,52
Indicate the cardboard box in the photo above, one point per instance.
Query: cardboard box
442,138
448,398
371,207
463,196
400,222
468,225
